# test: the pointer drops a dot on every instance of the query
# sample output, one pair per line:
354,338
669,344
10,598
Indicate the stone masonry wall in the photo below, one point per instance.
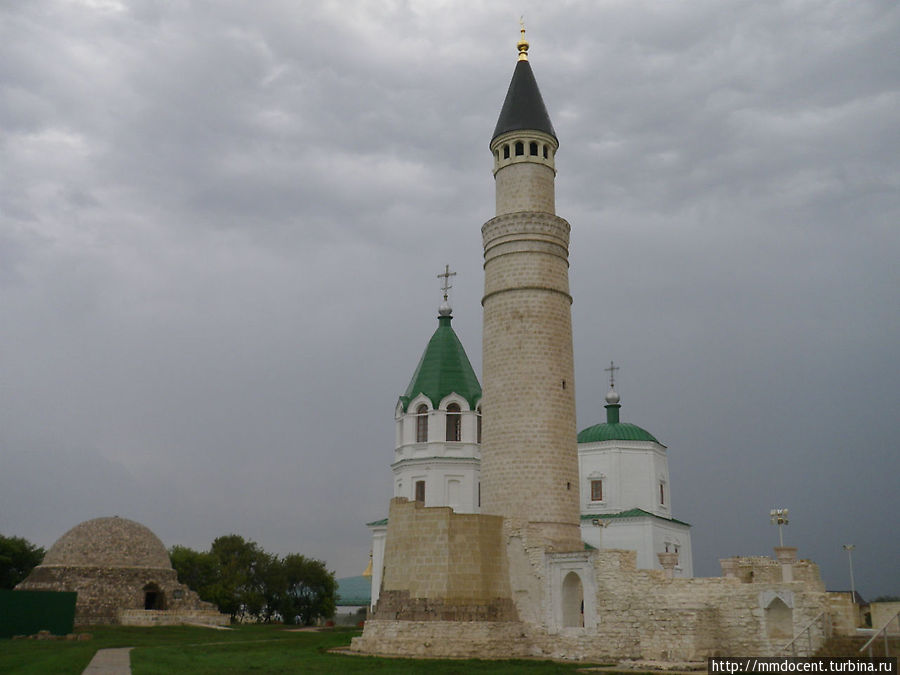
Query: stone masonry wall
151,617
640,615
441,565
525,186
881,612
104,592
446,639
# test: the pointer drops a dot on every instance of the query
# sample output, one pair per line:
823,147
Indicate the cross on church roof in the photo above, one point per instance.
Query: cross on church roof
612,374
445,284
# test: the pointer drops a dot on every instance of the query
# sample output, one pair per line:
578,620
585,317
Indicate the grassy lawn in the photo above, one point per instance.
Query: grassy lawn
246,649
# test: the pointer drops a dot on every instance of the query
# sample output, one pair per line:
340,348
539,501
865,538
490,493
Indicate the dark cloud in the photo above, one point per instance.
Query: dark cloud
221,229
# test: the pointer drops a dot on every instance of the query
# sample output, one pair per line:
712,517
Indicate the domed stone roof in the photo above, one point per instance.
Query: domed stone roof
108,542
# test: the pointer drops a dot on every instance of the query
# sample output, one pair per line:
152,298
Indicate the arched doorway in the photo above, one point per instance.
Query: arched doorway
154,598
779,619
572,601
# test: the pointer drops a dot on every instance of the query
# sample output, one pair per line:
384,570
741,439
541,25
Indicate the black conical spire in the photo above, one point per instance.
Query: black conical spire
523,108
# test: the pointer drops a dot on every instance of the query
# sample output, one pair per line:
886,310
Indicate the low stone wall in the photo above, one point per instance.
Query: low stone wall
157,617
881,612
446,639
844,613
398,605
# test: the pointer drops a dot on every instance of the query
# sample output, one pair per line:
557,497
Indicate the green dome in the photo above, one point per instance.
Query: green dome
443,369
615,431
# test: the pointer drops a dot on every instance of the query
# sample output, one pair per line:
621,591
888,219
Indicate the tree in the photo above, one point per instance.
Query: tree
198,571
17,558
274,586
310,590
239,591
246,582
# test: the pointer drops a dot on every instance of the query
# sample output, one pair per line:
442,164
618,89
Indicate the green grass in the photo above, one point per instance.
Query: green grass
170,650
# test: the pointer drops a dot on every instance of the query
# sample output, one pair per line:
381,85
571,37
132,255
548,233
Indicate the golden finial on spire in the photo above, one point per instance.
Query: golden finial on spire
522,44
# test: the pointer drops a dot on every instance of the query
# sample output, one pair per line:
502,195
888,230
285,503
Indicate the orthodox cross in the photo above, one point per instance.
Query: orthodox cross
612,374
445,284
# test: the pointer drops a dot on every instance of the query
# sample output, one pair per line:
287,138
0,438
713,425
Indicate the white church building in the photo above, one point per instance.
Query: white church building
625,493
623,469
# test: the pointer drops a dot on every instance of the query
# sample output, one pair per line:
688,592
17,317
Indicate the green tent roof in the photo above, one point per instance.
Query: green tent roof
443,369
616,431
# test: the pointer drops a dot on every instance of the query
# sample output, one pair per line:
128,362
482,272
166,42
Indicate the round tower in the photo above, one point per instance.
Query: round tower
529,470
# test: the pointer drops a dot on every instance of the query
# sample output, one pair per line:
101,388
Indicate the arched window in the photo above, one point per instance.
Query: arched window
520,148
545,152
532,149
422,423
478,424
506,151
454,425
572,601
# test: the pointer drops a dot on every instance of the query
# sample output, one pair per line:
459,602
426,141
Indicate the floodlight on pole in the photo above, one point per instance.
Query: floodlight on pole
780,518
849,548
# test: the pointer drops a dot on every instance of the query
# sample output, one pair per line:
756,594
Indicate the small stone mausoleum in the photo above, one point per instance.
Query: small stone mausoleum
122,574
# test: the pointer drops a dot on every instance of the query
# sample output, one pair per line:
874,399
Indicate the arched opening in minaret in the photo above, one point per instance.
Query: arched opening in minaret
572,601
545,151
506,151
520,148
779,619
533,149
422,423
454,422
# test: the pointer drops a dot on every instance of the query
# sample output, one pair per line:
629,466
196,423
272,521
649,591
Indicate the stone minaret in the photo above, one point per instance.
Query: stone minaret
529,470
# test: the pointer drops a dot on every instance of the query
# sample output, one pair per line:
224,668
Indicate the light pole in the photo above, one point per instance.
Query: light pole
780,518
849,548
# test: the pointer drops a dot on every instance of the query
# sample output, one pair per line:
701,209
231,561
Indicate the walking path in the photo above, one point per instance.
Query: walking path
110,662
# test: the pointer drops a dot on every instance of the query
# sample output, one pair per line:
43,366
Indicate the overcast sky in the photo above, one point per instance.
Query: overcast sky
221,224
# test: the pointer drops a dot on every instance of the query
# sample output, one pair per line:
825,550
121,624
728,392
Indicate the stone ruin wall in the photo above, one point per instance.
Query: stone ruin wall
155,617
104,592
640,614
882,612
445,639
643,615
440,565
